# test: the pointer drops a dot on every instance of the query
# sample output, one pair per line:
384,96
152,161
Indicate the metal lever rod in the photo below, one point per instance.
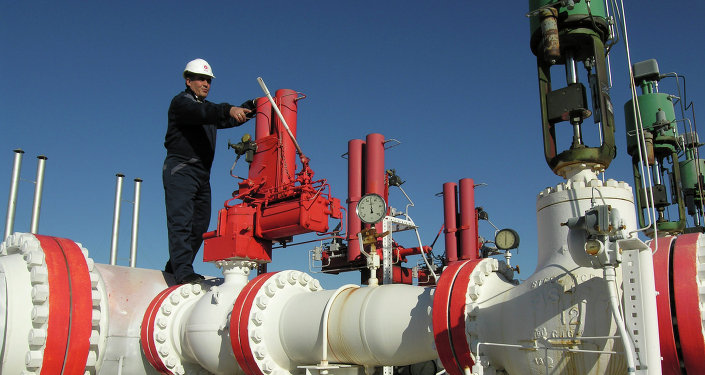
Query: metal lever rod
281,117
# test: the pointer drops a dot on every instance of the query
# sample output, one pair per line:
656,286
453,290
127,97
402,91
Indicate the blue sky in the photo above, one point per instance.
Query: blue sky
88,85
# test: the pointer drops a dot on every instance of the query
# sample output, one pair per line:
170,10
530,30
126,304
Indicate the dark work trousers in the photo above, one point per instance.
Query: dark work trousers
187,192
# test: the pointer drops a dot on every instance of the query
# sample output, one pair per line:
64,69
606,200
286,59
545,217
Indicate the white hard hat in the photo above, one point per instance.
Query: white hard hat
199,66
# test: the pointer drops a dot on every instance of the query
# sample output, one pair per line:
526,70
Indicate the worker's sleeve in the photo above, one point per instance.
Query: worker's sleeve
230,122
189,111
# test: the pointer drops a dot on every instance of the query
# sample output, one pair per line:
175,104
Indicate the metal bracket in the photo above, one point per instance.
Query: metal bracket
633,300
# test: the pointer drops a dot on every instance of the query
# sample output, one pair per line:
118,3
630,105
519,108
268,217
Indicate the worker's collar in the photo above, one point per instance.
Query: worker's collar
198,99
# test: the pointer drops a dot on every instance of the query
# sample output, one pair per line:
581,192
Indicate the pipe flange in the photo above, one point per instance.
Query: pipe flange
254,324
55,270
161,339
476,280
689,296
662,280
455,304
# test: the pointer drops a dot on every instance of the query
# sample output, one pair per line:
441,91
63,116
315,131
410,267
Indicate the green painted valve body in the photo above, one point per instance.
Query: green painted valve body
569,36
660,147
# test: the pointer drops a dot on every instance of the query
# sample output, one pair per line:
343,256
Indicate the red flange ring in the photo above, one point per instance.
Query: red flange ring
442,327
456,315
147,331
81,308
238,324
69,322
662,275
688,255
59,310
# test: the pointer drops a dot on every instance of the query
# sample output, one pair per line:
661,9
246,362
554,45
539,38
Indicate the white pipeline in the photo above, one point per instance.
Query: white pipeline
326,315
384,325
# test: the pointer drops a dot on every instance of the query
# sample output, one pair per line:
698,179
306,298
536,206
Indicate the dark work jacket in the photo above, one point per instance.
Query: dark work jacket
192,127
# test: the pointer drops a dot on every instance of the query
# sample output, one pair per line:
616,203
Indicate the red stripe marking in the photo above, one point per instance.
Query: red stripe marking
147,331
662,275
685,290
81,308
456,315
441,331
59,307
239,334
235,324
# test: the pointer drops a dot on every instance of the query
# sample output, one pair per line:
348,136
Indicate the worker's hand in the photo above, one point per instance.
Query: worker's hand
239,114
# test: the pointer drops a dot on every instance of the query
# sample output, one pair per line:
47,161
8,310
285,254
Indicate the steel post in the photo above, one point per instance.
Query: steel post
12,200
116,219
135,223
38,189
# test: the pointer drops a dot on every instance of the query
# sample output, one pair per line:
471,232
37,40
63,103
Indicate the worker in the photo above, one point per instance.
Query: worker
190,148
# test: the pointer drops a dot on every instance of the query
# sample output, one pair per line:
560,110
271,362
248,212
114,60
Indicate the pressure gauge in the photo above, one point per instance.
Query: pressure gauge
506,239
371,208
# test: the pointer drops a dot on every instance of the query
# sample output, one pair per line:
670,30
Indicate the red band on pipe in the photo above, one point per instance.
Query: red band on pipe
688,311
239,318
147,331
662,274
81,308
59,310
441,326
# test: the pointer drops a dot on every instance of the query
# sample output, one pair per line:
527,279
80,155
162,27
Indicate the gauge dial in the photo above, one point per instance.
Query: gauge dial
371,208
506,239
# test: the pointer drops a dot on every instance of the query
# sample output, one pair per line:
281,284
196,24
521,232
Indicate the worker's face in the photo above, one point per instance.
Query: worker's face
200,85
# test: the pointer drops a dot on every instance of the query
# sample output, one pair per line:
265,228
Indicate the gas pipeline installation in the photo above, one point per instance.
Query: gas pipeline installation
619,286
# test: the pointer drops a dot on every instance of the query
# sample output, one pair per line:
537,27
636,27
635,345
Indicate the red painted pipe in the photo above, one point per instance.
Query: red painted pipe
263,119
468,220
449,219
354,194
374,164
403,252
286,100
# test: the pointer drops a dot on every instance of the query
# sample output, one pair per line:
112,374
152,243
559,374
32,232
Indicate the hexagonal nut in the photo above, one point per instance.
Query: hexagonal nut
37,336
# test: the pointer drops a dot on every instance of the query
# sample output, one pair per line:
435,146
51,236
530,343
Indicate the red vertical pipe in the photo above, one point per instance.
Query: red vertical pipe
374,164
286,100
450,213
264,118
468,222
354,194
264,166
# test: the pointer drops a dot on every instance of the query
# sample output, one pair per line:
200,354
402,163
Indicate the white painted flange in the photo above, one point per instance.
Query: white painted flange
171,313
25,293
263,319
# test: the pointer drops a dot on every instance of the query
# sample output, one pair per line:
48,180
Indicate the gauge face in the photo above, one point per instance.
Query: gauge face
371,208
506,239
